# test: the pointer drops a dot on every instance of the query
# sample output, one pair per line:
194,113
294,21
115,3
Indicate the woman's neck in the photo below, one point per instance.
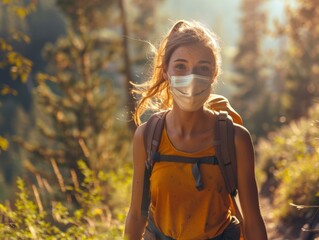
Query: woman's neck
189,123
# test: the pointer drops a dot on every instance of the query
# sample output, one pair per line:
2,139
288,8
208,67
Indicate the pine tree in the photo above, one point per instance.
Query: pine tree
79,106
301,85
250,97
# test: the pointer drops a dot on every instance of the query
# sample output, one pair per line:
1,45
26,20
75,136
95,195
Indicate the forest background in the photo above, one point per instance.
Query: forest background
65,107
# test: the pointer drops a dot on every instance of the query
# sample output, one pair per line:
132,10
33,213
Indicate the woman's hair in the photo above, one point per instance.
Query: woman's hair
155,93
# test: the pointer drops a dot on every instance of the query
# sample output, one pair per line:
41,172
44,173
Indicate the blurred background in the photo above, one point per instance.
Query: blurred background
65,107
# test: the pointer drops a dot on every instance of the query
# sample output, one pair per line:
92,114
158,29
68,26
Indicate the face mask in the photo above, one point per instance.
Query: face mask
190,92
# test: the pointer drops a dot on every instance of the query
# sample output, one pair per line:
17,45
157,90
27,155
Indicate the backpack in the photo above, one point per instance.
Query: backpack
225,150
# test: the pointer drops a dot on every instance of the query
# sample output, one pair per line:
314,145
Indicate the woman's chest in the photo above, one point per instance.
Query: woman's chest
178,179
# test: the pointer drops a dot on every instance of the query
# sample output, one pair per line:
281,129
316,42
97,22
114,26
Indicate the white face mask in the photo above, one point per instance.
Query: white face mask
190,92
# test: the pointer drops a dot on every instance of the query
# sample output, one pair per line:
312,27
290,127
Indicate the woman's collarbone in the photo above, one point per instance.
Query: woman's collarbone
193,143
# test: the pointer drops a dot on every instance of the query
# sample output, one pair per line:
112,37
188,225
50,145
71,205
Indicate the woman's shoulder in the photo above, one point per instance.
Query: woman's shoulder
139,132
139,150
242,135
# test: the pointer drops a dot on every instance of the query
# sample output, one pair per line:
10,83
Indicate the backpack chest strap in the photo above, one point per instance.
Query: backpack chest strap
157,157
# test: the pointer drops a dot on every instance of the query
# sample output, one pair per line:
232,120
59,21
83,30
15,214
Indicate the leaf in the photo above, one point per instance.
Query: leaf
24,77
41,77
20,36
3,208
5,46
26,38
6,90
21,12
4,144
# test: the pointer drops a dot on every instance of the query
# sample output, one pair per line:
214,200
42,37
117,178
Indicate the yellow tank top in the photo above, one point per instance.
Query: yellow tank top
178,209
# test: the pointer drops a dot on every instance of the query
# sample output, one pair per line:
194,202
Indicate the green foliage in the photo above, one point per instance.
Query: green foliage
19,8
26,222
289,160
79,109
19,65
91,220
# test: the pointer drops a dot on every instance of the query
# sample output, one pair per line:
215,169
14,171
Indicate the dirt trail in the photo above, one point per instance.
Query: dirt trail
266,211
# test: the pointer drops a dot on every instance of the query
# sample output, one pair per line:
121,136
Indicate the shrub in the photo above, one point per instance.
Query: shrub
90,220
290,165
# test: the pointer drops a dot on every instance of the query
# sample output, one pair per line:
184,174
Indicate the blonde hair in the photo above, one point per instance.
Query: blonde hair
155,93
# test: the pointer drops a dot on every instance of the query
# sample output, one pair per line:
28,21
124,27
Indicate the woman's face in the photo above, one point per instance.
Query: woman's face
191,59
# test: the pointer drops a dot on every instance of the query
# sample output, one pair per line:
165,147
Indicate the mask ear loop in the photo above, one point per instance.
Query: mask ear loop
169,82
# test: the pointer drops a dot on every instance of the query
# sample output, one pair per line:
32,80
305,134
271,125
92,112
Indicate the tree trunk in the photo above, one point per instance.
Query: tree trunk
127,68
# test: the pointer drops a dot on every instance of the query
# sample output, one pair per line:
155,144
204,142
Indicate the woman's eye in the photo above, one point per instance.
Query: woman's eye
180,67
204,70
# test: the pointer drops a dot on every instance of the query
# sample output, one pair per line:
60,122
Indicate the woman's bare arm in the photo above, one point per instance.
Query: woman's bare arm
135,222
254,226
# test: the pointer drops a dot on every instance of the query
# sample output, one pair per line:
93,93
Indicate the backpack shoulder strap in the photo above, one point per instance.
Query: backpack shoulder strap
227,151
152,139
226,154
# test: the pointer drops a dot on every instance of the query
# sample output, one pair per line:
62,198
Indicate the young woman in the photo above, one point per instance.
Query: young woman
185,67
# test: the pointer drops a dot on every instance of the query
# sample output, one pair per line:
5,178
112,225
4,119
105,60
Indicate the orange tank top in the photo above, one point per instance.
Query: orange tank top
178,209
